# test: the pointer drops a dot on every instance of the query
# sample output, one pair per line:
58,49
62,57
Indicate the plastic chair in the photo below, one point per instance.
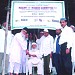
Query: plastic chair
33,66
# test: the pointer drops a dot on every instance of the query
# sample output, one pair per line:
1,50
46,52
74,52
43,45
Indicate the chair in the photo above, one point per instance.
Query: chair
33,66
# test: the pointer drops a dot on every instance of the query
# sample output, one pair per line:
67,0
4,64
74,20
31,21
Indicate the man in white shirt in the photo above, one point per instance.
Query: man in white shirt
46,49
66,45
2,42
35,59
18,44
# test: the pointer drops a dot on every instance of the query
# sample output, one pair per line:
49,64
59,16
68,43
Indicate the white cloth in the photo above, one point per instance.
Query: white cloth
2,40
47,45
9,40
50,65
66,36
39,66
23,62
14,67
38,41
73,49
18,43
35,61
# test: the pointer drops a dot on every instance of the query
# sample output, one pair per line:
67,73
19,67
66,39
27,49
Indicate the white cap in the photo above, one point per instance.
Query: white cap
34,43
41,32
45,30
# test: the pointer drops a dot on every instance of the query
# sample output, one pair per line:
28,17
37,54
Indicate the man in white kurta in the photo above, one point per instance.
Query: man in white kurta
18,43
46,49
35,59
2,42
38,41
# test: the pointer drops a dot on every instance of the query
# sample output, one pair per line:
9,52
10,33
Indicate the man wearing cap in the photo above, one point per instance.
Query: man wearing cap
35,59
19,43
56,51
38,41
46,49
66,45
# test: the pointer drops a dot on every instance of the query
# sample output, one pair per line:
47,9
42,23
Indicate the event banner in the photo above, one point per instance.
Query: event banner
36,14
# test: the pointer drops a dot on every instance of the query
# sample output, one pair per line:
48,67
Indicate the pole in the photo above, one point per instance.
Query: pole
5,44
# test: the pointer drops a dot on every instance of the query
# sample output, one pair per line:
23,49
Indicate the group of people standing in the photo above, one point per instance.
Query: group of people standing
57,49
63,47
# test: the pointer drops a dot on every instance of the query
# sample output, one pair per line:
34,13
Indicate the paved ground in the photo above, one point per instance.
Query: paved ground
35,72
54,72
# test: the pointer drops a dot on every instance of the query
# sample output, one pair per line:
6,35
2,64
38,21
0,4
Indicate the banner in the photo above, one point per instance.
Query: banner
36,14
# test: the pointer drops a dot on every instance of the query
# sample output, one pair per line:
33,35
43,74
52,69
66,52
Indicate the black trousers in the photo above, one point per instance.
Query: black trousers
56,62
46,65
66,64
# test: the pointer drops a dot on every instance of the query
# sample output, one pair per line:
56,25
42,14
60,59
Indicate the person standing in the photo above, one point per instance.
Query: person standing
2,42
18,44
45,49
22,70
56,52
38,41
66,45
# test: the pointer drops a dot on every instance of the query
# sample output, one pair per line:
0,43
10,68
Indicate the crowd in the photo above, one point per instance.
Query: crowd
46,52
